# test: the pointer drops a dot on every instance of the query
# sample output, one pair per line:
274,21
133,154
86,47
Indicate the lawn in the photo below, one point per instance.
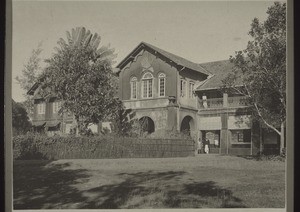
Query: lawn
205,181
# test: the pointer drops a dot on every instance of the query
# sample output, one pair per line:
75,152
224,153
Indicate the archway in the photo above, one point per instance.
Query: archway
147,124
187,125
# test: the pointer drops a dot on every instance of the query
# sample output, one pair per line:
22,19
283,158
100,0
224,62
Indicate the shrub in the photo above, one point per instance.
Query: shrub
36,146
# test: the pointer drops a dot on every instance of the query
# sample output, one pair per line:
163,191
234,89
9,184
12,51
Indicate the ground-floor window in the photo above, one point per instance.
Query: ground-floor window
241,136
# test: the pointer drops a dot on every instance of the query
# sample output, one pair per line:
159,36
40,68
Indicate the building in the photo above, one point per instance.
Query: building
168,92
172,93
46,116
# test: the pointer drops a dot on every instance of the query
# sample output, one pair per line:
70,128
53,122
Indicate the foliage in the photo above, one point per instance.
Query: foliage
30,75
80,74
260,69
20,120
38,146
123,120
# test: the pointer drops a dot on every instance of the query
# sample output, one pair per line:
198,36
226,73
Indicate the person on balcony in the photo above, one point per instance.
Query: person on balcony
204,98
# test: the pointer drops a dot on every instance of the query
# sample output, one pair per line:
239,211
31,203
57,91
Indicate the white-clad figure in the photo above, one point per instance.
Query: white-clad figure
204,98
206,147
216,142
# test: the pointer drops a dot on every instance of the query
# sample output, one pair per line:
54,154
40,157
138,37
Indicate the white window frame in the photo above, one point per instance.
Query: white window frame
41,108
191,88
133,81
161,76
56,107
183,88
147,78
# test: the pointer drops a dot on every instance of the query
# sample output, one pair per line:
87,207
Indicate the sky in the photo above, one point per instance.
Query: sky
199,31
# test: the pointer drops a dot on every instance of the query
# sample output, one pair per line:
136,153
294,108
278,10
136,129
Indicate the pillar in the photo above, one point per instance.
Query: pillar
224,137
172,108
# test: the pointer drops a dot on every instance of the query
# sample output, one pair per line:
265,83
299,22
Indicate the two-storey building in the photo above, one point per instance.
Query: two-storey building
172,93
168,92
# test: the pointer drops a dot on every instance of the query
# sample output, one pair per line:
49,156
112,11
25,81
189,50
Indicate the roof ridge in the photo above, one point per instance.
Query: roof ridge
163,52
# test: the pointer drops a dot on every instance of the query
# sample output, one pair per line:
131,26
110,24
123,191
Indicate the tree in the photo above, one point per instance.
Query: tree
123,120
80,74
260,70
30,75
20,120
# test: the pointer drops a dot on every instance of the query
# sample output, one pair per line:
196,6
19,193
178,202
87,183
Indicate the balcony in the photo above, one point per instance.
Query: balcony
146,103
220,103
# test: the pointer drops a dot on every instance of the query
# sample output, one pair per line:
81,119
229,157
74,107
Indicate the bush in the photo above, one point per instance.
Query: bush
26,146
36,146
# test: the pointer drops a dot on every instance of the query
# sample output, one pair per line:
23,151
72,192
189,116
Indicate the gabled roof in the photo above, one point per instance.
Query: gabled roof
220,70
176,59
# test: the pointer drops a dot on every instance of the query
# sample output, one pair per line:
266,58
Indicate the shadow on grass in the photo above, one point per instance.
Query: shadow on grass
153,190
44,185
263,157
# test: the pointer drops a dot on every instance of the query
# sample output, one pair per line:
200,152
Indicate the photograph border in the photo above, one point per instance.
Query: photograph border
8,152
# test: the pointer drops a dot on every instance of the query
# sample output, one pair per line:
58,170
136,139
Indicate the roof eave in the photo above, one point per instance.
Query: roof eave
33,89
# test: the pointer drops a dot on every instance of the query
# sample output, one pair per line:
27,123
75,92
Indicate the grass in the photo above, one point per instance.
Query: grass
205,181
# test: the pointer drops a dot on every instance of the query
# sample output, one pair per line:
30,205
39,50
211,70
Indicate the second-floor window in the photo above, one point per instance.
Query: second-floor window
161,84
147,85
133,87
191,89
56,107
182,88
41,108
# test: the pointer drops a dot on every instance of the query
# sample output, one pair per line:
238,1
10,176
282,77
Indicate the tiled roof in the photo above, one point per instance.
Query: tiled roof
177,59
220,70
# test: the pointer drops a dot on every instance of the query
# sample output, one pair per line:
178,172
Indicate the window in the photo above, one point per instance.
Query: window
241,136
56,107
147,85
161,84
182,88
133,85
41,108
191,89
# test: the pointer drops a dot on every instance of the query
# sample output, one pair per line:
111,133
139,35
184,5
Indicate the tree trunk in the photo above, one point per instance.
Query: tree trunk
282,137
261,144
77,126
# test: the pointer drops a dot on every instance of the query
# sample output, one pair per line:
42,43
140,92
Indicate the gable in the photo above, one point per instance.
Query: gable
174,60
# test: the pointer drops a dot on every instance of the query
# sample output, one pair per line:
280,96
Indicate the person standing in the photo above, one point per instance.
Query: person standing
200,146
206,146
204,99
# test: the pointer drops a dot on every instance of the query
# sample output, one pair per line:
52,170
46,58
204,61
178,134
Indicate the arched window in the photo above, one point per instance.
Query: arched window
133,88
161,84
147,84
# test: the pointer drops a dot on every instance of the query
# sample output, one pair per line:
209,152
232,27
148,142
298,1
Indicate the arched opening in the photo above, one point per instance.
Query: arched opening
147,124
187,125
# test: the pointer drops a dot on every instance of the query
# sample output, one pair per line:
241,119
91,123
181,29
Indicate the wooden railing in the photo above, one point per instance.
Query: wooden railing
219,102
211,103
237,101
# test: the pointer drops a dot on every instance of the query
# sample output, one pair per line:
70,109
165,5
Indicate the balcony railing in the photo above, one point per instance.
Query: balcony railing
237,101
219,102
211,103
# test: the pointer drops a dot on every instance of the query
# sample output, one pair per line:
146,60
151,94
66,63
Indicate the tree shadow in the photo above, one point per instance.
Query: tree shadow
47,185
166,188
203,194
44,185
116,195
